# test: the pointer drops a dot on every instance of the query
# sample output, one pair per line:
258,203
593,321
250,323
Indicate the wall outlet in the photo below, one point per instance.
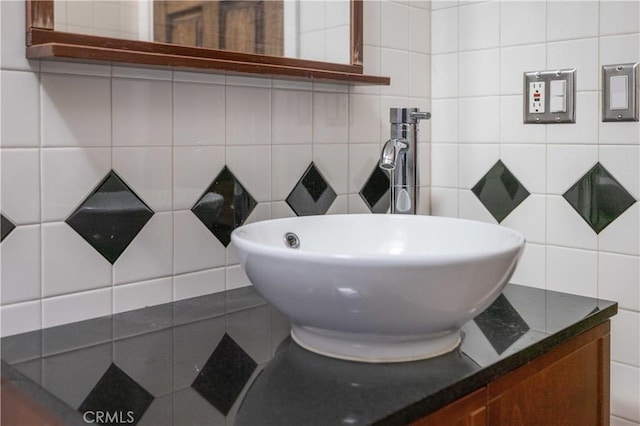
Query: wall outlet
536,97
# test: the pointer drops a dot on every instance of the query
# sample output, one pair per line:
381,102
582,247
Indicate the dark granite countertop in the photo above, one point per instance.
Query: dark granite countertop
226,359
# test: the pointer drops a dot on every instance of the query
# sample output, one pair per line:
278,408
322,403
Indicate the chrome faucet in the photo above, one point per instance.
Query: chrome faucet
399,158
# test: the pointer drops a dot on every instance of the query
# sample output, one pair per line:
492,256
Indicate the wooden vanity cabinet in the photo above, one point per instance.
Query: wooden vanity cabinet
566,386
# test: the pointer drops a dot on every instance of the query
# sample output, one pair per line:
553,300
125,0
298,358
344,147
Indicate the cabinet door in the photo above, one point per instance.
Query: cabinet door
470,410
567,386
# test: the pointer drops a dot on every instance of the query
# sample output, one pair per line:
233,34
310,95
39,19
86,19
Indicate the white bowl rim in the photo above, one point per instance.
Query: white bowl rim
384,259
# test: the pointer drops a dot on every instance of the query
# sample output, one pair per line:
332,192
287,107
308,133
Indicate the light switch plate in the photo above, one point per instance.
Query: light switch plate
611,91
531,79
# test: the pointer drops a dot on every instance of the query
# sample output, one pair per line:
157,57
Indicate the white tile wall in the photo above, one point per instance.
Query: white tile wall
474,124
168,134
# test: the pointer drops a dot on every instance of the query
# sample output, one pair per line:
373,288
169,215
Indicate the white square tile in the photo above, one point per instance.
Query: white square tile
280,209
423,164
142,73
512,127
364,110
363,158
198,77
617,421
572,271
20,259
12,40
444,123
76,307
330,87
246,81
288,164
529,218
69,263
514,61
337,13
528,163
128,297
395,25
623,234
531,267
565,227
20,120
21,317
566,164
444,30
571,19
444,76
150,253
471,208
619,17
20,179
198,114
444,165
236,277
340,205
194,169
142,112
291,117
623,162
330,117
68,177
75,68
585,129
579,54
618,277
625,388
522,22
443,4
248,116
251,165
419,31
625,338
475,161
147,171
395,65
372,58
619,133
195,248
76,110
372,22
444,202
199,283
357,205
419,75
479,127
479,26
332,162
619,49
480,73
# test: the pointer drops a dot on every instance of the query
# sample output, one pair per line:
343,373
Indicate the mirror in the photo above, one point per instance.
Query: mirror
319,39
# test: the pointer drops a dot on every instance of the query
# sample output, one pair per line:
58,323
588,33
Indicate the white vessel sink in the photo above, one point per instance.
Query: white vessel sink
378,288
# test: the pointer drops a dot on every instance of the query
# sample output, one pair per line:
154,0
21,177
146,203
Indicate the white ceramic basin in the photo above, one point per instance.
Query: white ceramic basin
378,288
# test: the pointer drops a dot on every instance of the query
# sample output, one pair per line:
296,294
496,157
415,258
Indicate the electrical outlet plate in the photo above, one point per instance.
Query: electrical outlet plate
532,82
631,82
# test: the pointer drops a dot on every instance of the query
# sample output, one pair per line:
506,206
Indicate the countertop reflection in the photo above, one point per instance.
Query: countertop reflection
226,359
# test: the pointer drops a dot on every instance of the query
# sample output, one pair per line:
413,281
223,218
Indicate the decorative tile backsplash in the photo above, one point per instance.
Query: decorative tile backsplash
312,195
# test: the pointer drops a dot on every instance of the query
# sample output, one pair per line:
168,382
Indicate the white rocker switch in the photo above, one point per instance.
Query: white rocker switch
558,96
618,91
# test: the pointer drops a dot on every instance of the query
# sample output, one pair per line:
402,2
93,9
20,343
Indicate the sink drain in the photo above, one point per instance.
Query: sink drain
291,240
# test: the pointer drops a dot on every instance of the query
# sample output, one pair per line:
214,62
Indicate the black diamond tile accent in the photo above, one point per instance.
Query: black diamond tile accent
376,191
312,194
111,217
501,324
6,226
500,191
599,198
224,206
224,375
117,396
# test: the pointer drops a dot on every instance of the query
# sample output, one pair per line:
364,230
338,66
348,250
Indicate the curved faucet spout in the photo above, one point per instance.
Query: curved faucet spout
390,152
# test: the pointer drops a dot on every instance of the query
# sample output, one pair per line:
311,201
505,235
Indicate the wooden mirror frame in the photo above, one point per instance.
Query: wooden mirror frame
43,42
